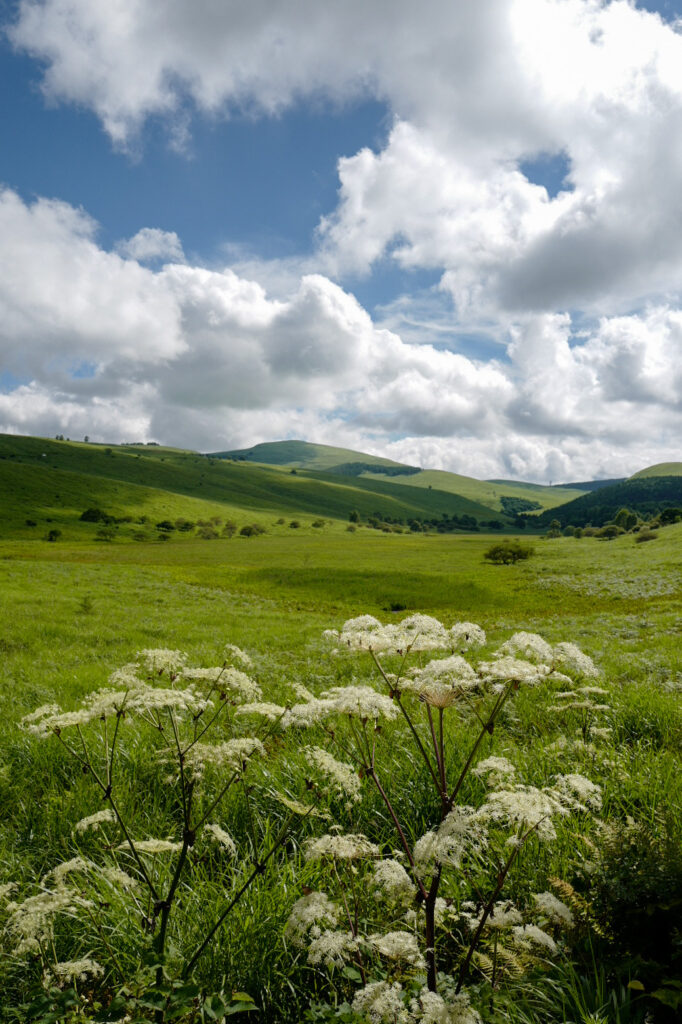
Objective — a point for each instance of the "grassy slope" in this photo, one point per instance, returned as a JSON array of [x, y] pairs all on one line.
[[302, 454], [321, 458], [661, 469], [273, 597], [43, 479], [646, 495], [487, 492]]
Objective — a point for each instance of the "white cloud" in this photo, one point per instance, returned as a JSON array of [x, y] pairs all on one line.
[[476, 89], [269, 348], [152, 244], [207, 358]]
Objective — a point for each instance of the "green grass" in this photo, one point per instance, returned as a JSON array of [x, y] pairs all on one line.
[[660, 469], [72, 612], [57, 480]]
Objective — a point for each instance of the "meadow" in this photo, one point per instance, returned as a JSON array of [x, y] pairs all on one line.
[[74, 612]]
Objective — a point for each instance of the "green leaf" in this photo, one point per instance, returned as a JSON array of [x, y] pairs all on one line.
[[636, 985]]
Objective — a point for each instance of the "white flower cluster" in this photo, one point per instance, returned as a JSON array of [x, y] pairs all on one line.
[[462, 833], [307, 916], [442, 682], [353, 846], [359, 702], [398, 946], [393, 882], [222, 838], [159, 660], [31, 922], [332, 949], [75, 970], [343, 777], [496, 771], [231, 755], [383, 1002], [415, 633], [94, 821]]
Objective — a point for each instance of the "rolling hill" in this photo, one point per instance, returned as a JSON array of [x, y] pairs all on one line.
[[317, 458], [643, 493], [54, 482]]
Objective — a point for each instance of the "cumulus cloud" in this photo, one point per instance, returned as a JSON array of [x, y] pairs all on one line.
[[477, 90], [578, 291], [207, 358], [152, 244]]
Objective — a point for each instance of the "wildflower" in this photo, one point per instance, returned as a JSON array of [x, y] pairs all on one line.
[[553, 909], [464, 635], [442, 911], [231, 755], [352, 846], [527, 934], [94, 821], [442, 681], [461, 833], [392, 880], [529, 646], [31, 922], [126, 677], [433, 1008], [526, 808], [234, 653], [117, 877], [342, 776], [569, 657], [382, 1003], [361, 702], [313, 711], [577, 792], [229, 680], [76, 970], [151, 846], [398, 946], [332, 949], [222, 838], [68, 867], [504, 915], [7, 889], [510, 669], [495, 770], [160, 660], [307, 915], [272, 712]]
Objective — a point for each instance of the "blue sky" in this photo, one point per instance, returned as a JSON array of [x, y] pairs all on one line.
[[450, 239]]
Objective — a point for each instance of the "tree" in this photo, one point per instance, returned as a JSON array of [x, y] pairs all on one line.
[[508, 552]]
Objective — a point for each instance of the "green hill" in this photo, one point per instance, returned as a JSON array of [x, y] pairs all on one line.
[[344, 462], [646, 495], [661, 469], [303, 455], [52, 482]]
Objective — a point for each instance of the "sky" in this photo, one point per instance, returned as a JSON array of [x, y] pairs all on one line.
[[449, 233]]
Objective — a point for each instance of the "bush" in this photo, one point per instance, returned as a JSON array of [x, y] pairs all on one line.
[[53, 535], [166, 525], [508, 551], [294, 525], [93, 515], [251, 530], [644, 535]]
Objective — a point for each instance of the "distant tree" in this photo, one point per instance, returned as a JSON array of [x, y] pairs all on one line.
[[354, 516], [508, 552], [229, 529], [86, 439], [294, 524], [53, 535], [106, 533], [610, 532]]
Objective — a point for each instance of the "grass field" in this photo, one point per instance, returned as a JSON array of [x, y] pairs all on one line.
[[71, 613]]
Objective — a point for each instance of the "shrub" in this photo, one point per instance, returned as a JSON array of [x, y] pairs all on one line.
[[229, 529], [644, 535], [31, 522], [251, 530], [294, 524], [166, 525], [92, 515], [208, 533], [106, 533], [53, 535], [508, 552], [318, 523]]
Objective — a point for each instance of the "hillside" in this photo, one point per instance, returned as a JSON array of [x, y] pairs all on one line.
[[316, 458], [646, 495], [661, 469], [49, 481]]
